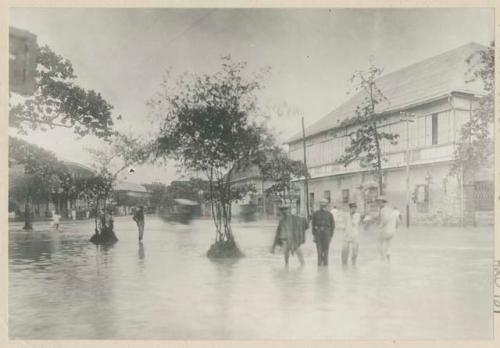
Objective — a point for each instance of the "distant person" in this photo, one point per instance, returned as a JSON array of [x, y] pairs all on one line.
[[139, 220], [323, 225], [350, 244], [290, 234], [387, 228], [56, 220], [73, 214]]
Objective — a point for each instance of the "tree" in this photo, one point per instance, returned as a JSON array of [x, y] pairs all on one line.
[[281, 170], [122, 152], [475, 144], [210, 123], [37, 183], [367, 138], [59, 102]]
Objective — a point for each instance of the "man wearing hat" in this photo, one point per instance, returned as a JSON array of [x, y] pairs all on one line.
[[139, 220], [323, 226], [351, 235], [290, 234], [387, 228]]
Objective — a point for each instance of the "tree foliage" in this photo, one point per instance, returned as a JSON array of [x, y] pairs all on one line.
[[281, 170], [109, 161], [210, 123], [44, 177], [366, 138], [475, 144], [59, 102]]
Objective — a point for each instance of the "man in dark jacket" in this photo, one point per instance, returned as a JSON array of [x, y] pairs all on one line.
[[139, 220], [323, 226], [290, 233]]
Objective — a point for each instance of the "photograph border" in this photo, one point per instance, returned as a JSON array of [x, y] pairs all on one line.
[[5, 5]]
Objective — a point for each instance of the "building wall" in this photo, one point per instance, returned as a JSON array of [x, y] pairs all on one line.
[[430, 158], [325, 149], [266, 206], [442, 203]]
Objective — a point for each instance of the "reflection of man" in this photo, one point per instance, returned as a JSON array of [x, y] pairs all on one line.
[[323, 226], [139, 220], [290, 233], [351, 235], [387, 228]]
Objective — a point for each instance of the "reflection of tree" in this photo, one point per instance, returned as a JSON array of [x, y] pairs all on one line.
[[102, 292], [224, 269], [32, 246]]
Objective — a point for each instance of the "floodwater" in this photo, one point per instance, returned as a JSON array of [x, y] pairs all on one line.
[[438, 286]]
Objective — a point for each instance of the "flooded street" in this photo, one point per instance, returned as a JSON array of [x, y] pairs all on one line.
[[438, 286]]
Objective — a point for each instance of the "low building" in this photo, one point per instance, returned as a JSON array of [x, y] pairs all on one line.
[[264, 206], [437, 92], [128, 195]]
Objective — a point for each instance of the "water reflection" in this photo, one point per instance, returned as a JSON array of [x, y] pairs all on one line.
[[62, 286], [142, 253]]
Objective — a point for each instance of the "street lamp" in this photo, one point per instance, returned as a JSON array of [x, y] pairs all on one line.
[[408, 117]]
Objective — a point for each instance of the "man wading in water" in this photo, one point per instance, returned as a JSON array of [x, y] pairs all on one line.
[[291, 234], [323, 226], [139, 220]]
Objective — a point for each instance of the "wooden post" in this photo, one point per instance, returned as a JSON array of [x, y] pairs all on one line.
[[306, 174]]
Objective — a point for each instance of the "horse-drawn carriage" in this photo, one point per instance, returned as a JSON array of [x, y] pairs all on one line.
[[182, 211]]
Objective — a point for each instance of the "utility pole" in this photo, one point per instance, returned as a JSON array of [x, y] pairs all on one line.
[[408, 118], [306, 174]]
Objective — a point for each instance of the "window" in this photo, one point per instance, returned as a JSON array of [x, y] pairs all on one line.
[[345, 196], [434, 129], [421, 131], [326, 195]]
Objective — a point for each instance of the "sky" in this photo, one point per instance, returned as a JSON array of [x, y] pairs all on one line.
[[311, 53]]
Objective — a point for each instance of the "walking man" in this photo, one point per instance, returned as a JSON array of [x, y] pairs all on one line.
[[338, 217], [56, 220], [350, 244], [291, 234], [139, 220], [323, 226], [387, 228]]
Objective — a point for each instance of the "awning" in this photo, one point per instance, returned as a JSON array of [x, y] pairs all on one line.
[[183, 201]]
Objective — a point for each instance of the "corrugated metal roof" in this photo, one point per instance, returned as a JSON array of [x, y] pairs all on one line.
[[433, 77]]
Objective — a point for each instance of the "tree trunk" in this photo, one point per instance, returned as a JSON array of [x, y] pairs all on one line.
[[27, 217]]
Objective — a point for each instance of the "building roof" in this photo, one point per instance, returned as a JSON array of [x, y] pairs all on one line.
[[77, 167], [129, 186], [424, 81]]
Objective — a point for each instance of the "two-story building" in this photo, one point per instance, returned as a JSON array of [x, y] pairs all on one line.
[[439, 95]]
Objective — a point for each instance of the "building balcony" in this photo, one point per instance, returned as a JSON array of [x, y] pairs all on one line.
[[418, 156]]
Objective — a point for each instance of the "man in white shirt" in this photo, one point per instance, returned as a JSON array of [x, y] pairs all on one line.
[[56, 220], [350, 244], [338, 217], [387, 228]]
